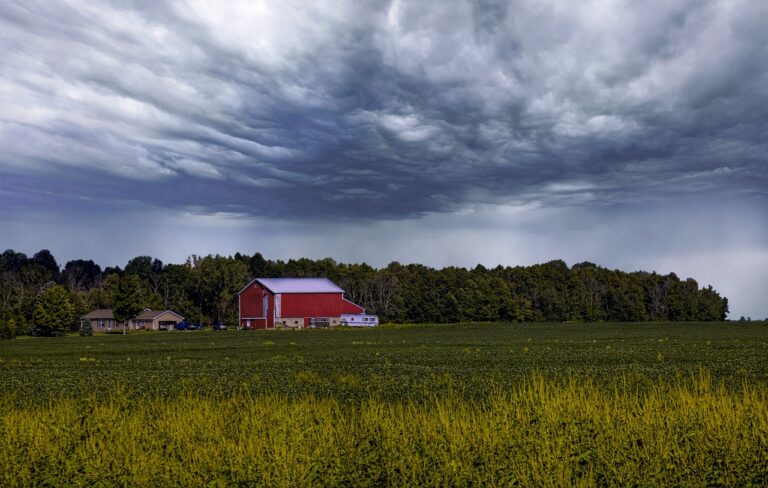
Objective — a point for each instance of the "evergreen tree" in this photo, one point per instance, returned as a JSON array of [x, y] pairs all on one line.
[[86, 329]]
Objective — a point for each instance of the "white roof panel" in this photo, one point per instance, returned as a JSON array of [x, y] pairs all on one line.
[[299, 285]]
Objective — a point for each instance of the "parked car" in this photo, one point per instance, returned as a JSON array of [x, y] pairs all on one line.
[[187, 325], [220, 326], [183, 325]]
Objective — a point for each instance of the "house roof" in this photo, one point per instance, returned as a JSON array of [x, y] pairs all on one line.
[[99, 313], [150, 314], [296, 285]]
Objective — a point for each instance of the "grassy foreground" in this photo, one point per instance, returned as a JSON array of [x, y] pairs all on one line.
[[449, 405], [538, 433]]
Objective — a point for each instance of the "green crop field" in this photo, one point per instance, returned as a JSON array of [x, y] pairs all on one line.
[[393, 363], [649, 404]]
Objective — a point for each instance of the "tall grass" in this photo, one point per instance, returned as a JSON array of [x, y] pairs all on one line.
[[542, 432]]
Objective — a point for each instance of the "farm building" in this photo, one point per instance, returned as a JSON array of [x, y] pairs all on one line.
[[101, 320], [267, 303], [156, 320]]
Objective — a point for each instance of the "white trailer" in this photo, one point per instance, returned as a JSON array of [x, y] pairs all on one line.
[[359, 320]]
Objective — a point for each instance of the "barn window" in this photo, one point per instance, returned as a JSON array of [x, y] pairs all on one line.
[[295, 321]]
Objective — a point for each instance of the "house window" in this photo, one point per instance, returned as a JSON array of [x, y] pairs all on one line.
[[101, 322]]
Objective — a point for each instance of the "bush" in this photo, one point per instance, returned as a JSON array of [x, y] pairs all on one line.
[[8, 328]]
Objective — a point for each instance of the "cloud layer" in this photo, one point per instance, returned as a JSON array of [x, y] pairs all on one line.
[[381, 109], [631, 134]]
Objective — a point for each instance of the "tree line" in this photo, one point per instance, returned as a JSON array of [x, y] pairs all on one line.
[[37, 293]]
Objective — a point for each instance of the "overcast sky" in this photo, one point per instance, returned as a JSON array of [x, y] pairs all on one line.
[[630, 134]]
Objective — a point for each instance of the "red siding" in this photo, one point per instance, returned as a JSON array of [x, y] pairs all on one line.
[[254, 324], [250, 302], [349, 307], [315, 305]]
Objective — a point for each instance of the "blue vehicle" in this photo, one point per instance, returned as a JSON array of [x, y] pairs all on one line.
[[183, 325], [187, 325]]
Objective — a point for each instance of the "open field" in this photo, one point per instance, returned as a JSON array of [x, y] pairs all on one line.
[[483, 404], [389, 362]]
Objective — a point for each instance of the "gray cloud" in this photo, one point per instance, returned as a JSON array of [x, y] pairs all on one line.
[[382, 110], [632, 134]]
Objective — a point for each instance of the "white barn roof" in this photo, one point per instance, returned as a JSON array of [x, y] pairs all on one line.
[[299, 285]]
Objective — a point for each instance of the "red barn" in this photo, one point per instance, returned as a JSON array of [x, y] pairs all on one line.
[[266, 303]]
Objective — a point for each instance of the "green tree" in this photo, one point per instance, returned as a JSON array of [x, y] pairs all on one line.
[[140, 266], [11, 260], [8, 328], [79, 308], [257, 265], [128, 299], [53, 313], [81, 275], [451, 308], [177, 289], [218, 279], [45, 259], [523, 310], [104, 295]]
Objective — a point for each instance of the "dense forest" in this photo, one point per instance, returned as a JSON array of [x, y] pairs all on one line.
[[35, 290]]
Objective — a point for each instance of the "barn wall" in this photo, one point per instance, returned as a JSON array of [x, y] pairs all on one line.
[[291, 322], [313, 305], [349, 307], [250, 302], [255, 323]]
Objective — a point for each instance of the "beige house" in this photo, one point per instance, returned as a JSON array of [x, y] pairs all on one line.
[[102, 320], [156, 320]]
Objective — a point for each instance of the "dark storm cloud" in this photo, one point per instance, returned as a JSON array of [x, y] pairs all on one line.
[[380, 109]]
